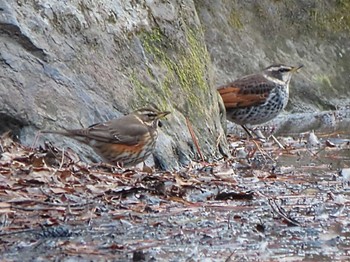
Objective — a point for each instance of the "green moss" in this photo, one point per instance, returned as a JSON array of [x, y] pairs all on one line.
[[340, 17], [260, 11], [323, 80], [147, 95], [327, 87], [143, 92], [112, 18], [185, 66], [84, 8], [234, 20], [332, 18]]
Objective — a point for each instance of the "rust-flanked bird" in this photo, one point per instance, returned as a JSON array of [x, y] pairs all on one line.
[[257, 98], [126, 141]]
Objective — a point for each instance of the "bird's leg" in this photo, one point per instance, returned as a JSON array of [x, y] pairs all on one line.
[[274, 138], [259, 135], [247, 131], [260, 138]]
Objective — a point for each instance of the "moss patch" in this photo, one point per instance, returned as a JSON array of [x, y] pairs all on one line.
[[184, 66], [147, 95], [234, 19], [323, 80], [112, 17], [332, 18]]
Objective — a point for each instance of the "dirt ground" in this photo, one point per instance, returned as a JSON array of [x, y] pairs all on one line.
[[267, 203]]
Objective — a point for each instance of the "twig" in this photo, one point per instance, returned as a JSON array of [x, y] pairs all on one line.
[[262, 151], [315, 155], [17, 232], [30, 209], [36, 138], [61, 164], [218, 141], [259, 149], [62, 159], [194, 139], [278, 209], [230, 256], [19, 202], [277, 142]]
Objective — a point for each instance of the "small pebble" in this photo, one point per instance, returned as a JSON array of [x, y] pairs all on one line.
[[313, 140]]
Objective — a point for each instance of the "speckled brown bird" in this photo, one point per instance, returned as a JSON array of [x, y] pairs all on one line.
[[125, 141], [257, 98]]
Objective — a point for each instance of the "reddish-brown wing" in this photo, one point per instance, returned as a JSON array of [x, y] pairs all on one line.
[[245, 92]]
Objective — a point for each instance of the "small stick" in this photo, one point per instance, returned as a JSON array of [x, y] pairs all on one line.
[[194, 139], [278, 209], [218, 141], [62, 160], [277, 142], [263, 152], [17, 232], [230, 256], [36, 138]]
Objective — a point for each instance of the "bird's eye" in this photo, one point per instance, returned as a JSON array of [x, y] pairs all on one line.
[[283, 70], [151, 115]]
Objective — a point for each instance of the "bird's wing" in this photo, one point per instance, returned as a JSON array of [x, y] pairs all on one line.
[[245, 92], [118, 131]]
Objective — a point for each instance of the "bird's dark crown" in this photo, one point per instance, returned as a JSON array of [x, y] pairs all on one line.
[[279, 68]]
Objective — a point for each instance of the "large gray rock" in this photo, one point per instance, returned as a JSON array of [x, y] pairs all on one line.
[[75, 63], [70, 64]]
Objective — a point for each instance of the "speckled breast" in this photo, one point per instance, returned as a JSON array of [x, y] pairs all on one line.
[[259, 114]]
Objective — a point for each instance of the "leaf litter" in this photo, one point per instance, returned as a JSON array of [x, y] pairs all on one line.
[[266, 203]]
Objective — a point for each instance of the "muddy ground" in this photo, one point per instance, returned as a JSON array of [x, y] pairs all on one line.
[[265, 204]]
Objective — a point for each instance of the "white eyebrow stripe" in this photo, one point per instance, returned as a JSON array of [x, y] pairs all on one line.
[[275, 80]]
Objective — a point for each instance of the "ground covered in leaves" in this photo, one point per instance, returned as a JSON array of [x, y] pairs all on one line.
[[264, 204]]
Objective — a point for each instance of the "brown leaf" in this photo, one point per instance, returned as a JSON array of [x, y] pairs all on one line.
[[97, 189], [181, 182], [58, 190], [5, 208], [38, 160], [42, 175], [64, 174]]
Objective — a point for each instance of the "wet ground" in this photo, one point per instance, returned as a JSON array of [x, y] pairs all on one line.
[[264, 204]]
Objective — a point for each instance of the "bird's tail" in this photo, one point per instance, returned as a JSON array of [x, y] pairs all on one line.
[[59, 132], [77, 134]]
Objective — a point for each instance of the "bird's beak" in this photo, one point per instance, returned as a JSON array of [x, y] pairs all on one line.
[[163, 114], [296, 68]]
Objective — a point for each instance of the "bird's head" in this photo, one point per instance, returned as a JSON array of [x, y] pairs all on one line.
[[282, 73], [150, 116]]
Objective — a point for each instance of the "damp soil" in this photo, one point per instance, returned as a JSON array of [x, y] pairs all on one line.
[[266, 203]]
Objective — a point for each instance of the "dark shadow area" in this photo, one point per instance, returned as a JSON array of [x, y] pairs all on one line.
[[8, 123]]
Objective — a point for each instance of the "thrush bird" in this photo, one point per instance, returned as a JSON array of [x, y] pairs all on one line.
[[257, 98], [125, 141]]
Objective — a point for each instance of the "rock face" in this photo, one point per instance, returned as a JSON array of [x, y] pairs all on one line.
[[70, 64], [244, 37]]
